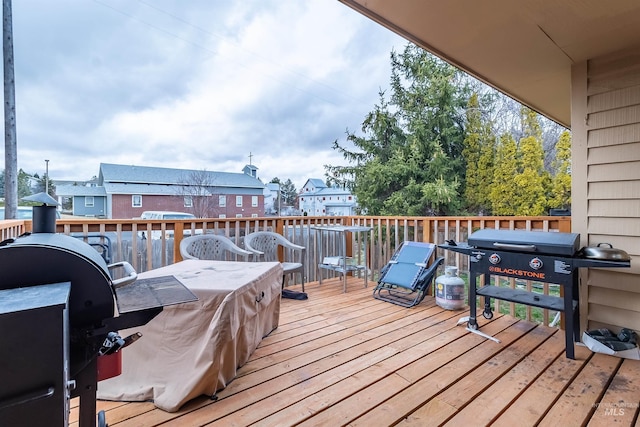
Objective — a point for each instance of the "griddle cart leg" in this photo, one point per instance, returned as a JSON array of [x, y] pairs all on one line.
[[472, 323], [571, 317]]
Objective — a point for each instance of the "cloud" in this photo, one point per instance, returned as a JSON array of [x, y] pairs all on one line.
[[198, 84]]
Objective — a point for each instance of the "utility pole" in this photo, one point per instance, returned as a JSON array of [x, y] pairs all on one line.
[[46, 178], [10, 140]]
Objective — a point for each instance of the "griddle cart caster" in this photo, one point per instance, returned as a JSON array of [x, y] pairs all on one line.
[[487, 313], [102, 420], [472, 324]]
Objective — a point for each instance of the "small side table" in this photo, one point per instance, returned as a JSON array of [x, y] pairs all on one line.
[[340, 263]]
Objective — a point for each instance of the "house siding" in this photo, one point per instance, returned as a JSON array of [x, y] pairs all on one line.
[[122, 206], [97, 210], [606, 183]]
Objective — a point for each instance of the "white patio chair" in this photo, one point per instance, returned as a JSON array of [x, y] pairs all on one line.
[[211, 247], [264, 245]]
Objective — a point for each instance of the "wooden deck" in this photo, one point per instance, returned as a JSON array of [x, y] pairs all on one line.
[[348, 359]]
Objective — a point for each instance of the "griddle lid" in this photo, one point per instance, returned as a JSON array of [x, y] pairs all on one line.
[[553, 243], [604, 251]]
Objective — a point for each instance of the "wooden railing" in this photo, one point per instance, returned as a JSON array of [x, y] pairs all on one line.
[[12, 228], [149, 244]]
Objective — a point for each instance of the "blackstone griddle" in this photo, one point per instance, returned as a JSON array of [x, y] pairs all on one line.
[[546, 257], [60, 310]]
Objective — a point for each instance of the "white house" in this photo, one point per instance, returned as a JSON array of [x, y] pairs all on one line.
[[271, 191], [316, 199]]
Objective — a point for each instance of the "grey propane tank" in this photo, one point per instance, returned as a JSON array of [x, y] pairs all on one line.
[[450, 290]]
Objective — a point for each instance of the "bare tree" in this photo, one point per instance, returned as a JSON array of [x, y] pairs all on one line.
[[198, 189]]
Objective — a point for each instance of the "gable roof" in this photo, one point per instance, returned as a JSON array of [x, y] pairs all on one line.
[[147, 175], [523, 48], [315, 182], [79, 190]]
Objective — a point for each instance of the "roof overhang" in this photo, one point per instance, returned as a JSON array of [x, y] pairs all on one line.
[[522, 48]]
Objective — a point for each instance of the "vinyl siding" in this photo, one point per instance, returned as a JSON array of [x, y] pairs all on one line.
[[606, 155]]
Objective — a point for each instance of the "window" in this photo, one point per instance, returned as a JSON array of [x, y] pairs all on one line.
[[188, 202], [222, 216], [136, 201], [239, 215], [88, 202], [239, 202], [222, 201], [254, 215], [254, 201]]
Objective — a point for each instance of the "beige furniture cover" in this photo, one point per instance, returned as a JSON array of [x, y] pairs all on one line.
[[194, 348]]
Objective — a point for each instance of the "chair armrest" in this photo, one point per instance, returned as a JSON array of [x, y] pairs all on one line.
[[429, 272], [290, 245]]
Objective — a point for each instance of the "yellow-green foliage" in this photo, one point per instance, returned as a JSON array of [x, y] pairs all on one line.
[[561, 184], [520, 182], [531, 195], [503, 190]]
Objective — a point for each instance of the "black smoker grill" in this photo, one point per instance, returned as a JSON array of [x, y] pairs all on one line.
[[548, 257], [57, 316]]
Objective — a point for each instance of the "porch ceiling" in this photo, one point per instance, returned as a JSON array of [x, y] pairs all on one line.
[[524, 49]]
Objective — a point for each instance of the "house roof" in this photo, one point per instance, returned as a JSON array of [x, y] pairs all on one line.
[[145, 177], [334, 191], [316, 182], [523, 48], [79, 190]]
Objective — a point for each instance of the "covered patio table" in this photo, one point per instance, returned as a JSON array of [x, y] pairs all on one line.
[[195, 348]]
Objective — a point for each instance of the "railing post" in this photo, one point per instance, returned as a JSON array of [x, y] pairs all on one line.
[[427, 232], [564, 225], [178, 235], [280, 231]]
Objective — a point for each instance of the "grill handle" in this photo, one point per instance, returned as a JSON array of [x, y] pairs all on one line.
[[128, 269], [515, 247]]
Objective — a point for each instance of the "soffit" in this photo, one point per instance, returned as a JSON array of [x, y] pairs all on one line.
[[522, 48]]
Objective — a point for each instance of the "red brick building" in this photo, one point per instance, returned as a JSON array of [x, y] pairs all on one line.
[[131, 190]]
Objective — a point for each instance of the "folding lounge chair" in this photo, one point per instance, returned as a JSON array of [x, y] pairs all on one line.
[[405, 280]]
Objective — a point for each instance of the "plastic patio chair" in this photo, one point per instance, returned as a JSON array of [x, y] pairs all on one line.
[[265, 244], [406, 278], [211, 247]]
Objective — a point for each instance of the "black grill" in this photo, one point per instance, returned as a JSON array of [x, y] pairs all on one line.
[[58, 315], [548, 257]]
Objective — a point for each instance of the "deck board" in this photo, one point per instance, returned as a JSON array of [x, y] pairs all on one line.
[[348, 359]]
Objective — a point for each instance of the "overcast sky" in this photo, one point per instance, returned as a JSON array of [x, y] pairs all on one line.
[[197, 84]]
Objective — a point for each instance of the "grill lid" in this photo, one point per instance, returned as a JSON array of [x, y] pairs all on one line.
[[551, 243]]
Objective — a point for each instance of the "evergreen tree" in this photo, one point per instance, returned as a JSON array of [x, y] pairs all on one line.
[[41, 185], [24, 186], [478, 154], [561, 184], [410, 160], [503, 191], [486, 165], [531, 181], [289, 193]]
